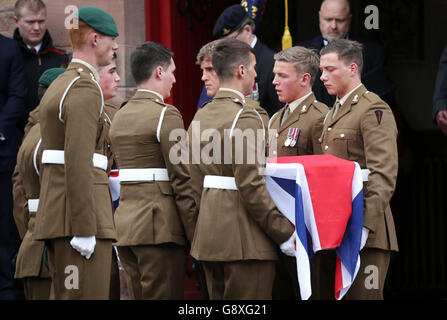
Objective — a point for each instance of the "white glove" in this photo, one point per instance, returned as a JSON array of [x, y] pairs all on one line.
[[288, 247], [84, 245], [365, 233]]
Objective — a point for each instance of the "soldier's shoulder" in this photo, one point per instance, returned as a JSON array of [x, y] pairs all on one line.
[[204, 105], [372, 101], [320, 107], [371, 97], [228, 100], [252, 103], [78, 77], [110, 109]]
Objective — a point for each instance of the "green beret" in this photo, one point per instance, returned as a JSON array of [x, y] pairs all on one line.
[[49, 75], [99, 20]]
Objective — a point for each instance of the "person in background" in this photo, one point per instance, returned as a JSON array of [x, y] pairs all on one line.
[[108, 81], [440, 94], [335, 21], [39, 53], [12, 110], [32, 259], [234, 22]]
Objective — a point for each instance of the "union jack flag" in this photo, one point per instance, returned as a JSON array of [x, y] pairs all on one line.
[[322, 196]]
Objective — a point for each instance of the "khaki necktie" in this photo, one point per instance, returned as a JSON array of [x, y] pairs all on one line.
[[286, 115], [337, 106]]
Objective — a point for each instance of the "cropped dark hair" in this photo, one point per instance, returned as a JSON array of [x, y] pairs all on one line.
[[347, 51], [227, 55], [146, 57]]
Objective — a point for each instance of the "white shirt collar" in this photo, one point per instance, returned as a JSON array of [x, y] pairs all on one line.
[[343, 100], [234, 91], [253, 43], [37, 48], [89, 66], [153, 92], [293, 105]]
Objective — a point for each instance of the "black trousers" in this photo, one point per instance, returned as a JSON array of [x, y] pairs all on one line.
[[10, 289]]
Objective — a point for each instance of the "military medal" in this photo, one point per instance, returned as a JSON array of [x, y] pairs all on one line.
[[289, 138], [295, 137]]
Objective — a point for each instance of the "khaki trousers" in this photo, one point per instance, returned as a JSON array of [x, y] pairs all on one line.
[[37, 288], [76, 278], [368, 284], [239, 280], [154, 271]]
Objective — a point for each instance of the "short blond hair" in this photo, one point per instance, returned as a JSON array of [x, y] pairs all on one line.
[[206, 52], [303, 59], [34, 6]]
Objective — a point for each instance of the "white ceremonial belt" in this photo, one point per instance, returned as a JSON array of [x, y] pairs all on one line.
[[219, 182], [33, 204], [365, 174], [144, 174], [57, 157]]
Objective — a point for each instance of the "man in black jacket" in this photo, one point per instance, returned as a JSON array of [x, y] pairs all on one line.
[[12, 110], [440, 94], [36, 44], [234, 22], [335, 20]]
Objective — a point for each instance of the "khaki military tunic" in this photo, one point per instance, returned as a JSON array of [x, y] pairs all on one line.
[[151, 212], [237, 228], [26, 187], [75, 198], [233, 225], [109, 112], [308, 116], [155, 219], [364, 130]]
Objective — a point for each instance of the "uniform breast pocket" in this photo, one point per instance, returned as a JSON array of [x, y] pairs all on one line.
[[341, 142]]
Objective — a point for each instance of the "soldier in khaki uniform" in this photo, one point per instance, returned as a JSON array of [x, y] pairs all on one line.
[[238, 223], [156, 215], [75, 211], [297, 129], [109, 80], [361, 127], [32, 264], [211, 80], [211, 83]]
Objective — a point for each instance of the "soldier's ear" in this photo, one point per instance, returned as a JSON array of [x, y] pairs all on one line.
[[240, 71], [305, 79], [158, 72], [92, 39], [353, 68]]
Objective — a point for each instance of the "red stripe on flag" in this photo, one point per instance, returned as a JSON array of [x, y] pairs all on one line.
[[338, 278]]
